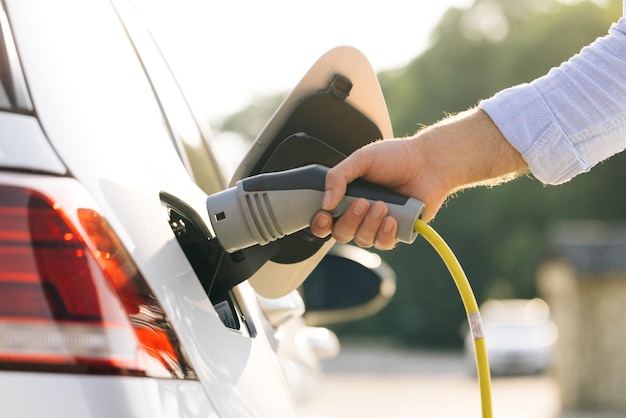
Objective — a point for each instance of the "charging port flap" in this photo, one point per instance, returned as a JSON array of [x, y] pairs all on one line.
[[336, 108]]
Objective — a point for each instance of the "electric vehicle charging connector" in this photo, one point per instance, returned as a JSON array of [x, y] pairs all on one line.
[[266, 207]]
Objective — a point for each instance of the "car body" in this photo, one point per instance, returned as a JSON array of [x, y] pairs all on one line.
[[519, 334], [115, 297]]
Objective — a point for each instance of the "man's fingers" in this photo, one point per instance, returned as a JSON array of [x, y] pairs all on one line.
[[386, 236], [322, 224], [346, 226], [366, 234]]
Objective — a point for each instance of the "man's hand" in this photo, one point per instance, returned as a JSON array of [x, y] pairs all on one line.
[[459, 152]]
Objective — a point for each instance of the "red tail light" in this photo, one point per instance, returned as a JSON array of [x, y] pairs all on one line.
[[71, 299]]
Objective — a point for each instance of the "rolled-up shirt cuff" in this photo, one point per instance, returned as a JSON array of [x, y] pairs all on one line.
[[526, 121]]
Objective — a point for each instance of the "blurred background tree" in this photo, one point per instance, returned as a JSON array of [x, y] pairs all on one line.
[[497, 234]]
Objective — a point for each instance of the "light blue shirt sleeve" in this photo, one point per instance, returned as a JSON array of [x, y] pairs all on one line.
[[572, 118]]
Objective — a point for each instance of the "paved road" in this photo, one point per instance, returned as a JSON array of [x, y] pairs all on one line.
[[379, 382]]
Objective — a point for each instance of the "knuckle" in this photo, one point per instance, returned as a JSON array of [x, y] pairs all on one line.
[[363, 243], [342, 239]]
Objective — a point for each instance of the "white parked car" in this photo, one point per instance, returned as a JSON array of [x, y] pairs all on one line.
[[116, 299], [519, 334]]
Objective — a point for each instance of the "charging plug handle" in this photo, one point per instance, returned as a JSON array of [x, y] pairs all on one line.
[[266, 207]]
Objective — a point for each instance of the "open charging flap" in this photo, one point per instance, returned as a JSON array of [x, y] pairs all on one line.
[[337, 107]]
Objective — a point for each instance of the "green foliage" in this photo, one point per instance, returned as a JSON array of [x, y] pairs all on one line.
[[462, 66]]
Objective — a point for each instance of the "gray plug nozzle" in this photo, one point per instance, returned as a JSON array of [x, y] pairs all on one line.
[[266, 207]]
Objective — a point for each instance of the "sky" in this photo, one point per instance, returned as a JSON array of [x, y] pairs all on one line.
[[228, 53]]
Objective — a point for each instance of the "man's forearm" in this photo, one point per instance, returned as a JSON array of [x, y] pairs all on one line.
[[476, 151]]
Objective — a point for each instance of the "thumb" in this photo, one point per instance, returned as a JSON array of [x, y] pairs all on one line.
[[337, 180], [334, 190]]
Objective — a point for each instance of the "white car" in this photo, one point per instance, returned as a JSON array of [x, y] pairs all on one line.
[[116, 299], [519, 334]]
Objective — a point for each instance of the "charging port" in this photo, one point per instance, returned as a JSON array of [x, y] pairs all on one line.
[[205, 256]]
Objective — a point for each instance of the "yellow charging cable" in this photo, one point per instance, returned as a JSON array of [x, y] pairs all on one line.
[[471, 307]]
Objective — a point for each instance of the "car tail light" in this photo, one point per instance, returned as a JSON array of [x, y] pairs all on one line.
[[71, 298]]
